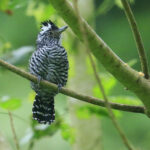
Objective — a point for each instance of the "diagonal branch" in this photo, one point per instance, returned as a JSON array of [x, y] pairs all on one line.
[[98, 79], [104, 54], [108, 106], [137, 37], [65, 91]]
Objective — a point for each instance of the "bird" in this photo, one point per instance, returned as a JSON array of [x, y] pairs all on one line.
[[48, 62]]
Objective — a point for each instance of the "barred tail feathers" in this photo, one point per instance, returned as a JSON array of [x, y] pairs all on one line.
[[43, 109]]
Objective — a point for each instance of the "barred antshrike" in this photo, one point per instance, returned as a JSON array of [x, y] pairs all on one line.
[[48, 62]]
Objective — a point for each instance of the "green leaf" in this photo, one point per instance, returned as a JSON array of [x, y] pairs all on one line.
[[108, 83], [41, 11], [83, 112], [10, 103], [68, 133], [12, 4], [4, 46], [4, 4]]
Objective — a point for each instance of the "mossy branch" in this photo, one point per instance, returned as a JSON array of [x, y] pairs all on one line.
[[65, 91], [104, 54]]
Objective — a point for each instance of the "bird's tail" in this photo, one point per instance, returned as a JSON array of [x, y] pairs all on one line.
[[43, 109]]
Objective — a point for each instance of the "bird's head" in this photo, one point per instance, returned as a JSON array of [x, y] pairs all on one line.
[[50, 29]]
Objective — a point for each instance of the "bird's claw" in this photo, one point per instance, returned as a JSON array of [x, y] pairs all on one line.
[[39, 80], [59, 88]]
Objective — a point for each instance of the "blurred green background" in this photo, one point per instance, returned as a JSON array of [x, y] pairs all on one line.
[[19, 26]]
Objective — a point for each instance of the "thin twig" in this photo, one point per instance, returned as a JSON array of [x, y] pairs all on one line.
[[14, 115], [108, 106], [13, 131], [124, 138], [137, 37], [65, 91]]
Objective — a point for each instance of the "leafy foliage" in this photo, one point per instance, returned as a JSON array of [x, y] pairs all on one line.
[[8, 6], [9, 103], [85, 112], [40, 10], [38, 131], [4, 46], [4, 4], [68, 133], [109, 83]]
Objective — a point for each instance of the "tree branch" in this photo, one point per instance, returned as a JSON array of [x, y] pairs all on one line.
[[121, 71], [65, 91], [98, 79], [137, 37], [108, 106]]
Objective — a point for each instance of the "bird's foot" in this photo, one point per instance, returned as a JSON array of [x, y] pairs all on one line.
[[59, 87], [39, 80]]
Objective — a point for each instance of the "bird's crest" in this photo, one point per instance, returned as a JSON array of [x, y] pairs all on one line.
[[48, 25]]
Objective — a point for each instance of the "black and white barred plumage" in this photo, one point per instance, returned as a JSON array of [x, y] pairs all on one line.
[[48, 62]]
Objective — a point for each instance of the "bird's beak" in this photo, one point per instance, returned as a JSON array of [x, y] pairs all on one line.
[[62, 29]]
